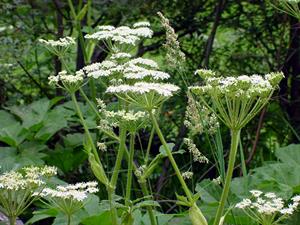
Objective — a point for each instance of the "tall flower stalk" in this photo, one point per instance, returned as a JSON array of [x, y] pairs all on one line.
[[235, 101]]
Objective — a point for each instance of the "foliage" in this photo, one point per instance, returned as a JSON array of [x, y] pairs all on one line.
[[136, 159]]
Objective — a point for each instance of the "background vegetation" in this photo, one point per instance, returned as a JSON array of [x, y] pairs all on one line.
[[38, 124]]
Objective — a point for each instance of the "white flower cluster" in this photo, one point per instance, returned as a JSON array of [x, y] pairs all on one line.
[[290, 1], [27, 178], [62, 42], [131, 120], [238, 87], [75, 192], [197, 155], [102, 146], [122, 115], [123, 34], [63, 76], [187, 175], [267, 205], [165, 90], [138, 68]]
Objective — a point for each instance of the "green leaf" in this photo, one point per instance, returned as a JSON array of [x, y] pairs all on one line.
[[209, 191], [42, 214], [76, 218], [163, 151], [6, 119], [73, 140], [289, 154], [32, 115], [53, 122], [102, 219], [82, 13], [13, 135]]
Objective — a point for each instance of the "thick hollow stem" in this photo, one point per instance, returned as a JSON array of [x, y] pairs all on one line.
[[149, 208], [202, 219], [69, 219], [235, 136], [130, 169], [120, 154], [113, 210], [116, 171], [12, 220]]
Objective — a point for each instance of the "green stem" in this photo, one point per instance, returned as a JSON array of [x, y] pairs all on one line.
[[200, 217], [116, 171], [91, 105], [12, 220], [68, 219], [171, 158], [235, 137], [130, 169], [113, 210], [149, 208], [149, 145], [86, 129], [120, 154]]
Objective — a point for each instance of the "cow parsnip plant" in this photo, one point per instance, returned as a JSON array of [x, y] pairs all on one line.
[[235, 101], [140, 88]]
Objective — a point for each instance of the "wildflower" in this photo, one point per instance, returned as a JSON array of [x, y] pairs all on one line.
[[60, 46], [70, 198], [256, 193], [120, 55], [130, 120], [236, 99], [141, 24], [243, 204], [187, 175], [165, 90], [74, 192], [267, 208], [197, 155], [69, 82], [122, 35], [62, 42], [102, 146], [217, 180], [17, 188]]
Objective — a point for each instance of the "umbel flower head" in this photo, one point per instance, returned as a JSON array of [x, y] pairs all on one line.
[[267, 208], [114, 37], [143, 94], [67, 81], [69, 198], [236, 99], [17, 188], [60, 46], [130, 120], [288, 6], [121, 66]]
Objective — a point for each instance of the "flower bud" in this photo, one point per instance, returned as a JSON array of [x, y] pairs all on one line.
[[98, 170], [196, 216]]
